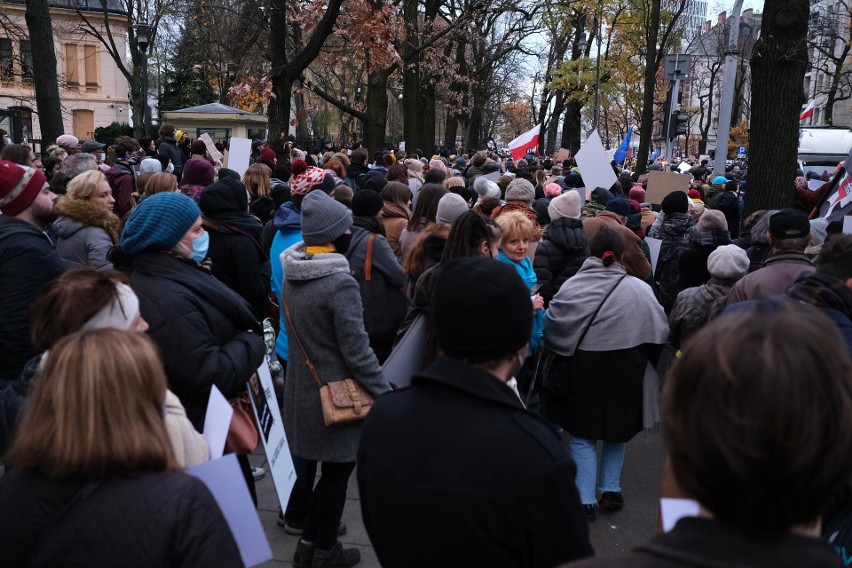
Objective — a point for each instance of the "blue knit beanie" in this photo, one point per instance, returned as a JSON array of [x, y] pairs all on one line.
[[159, 222]]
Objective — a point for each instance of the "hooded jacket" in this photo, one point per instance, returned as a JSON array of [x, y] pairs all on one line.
[[87, 233], [559, 255], [288, 225], [122, 180]]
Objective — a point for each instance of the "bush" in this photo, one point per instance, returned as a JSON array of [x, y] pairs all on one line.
[[108, 134]]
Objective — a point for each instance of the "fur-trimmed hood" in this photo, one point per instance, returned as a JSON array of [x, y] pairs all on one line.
[[76, 214]]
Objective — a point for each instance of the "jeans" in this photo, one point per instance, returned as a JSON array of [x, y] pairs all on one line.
[[326, 504], [585, 454]]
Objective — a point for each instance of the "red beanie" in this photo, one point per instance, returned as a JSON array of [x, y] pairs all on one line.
[[19, 187], [267, 155]]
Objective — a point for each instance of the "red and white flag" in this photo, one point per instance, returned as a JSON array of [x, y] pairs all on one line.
[[526, 141], [808, 112]]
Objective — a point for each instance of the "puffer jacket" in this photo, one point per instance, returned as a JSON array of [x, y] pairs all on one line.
[[163, 518], [673, 234], [205, 331], [86, 233], [694, 307], [559, 255]]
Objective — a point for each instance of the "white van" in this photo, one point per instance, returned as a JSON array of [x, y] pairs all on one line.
[[821, 148]]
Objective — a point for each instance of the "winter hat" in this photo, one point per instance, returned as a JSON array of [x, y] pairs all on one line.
[[675, 202], [789, 224], [637, 193], [305, 178], [415, 167], [565, 205], [552, 190], [694, 195], [520, 190], [728, 262], [451, 206], [267, 155], [68, 142], [375, 183], [225, 173], [601, 195], [198, 147], [467, 325], [712, 220], [90, 146], [150, 166], [731, 185], [486, 188], [818, 230], [19, 187], [159, 222], [366, 203], [619, 206], [323, 219], [720, 180], [119, 314], [197, 171], [328, 183], [256, 143]]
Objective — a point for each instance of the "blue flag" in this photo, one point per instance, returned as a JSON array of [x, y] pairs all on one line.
[[621, 153], [654, 156]]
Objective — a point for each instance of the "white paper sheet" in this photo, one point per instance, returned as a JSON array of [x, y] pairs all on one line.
[[217, 421], [226, 482], [674, 510], [654, 245], [815, 184], [407, 357], [847, 225], [595, 168], [239, 154]]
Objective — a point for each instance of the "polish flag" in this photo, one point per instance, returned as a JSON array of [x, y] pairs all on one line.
[[808, 112], [526, 141]]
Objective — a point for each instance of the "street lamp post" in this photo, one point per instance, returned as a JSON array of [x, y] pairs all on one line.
[[598, 69], [143, 41]]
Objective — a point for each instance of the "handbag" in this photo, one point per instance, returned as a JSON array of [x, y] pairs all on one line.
[[242, 433], [343, 401], [556, 368]]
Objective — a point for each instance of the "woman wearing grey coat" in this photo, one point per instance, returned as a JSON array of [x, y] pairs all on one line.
[[324, 302]]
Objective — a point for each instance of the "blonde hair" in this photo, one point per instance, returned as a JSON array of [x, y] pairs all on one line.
[[515, 225], [56, 151], [84, 185], [160, 182], [256, 180], [453, 181], [97, 408]]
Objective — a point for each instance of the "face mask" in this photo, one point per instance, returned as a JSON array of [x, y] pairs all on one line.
[[199, 248], [341, 243]]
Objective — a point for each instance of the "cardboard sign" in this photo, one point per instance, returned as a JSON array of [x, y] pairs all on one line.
[[239, 155], [211, 147], [660, 184], [562, 155], [595, 168], [262, 394]]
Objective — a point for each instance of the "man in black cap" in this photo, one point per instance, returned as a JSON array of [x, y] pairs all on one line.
[[454, 471], [789, 235]]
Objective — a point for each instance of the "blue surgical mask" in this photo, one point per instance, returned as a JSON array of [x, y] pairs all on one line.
[[199, 248]]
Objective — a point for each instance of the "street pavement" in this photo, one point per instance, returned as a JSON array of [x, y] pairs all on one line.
[[611, 533]]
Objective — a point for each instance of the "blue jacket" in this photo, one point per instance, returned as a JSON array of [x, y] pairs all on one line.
[[288, 221], [527, 274]]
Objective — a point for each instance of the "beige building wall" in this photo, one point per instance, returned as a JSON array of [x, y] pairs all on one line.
[[92, 90]]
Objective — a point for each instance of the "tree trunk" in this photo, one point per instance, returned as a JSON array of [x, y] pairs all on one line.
[[45, 80], [376, 111], [571, 128], [302, 132], [646, 124], [452, 132], [558, 110], [137, 102], [282, 86], [427, 135], [412, 101], [778, 64]]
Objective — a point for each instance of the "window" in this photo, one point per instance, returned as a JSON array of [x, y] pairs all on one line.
[[26, 61], [72, 65], [5, 58], [216, 134], [91, 58]]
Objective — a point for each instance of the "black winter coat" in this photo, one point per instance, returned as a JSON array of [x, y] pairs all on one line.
[[205, 331], [28, 261], [457, 450], [729, 204], [162, 518], [560, 255]]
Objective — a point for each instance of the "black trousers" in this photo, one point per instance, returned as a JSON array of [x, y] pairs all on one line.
[[325, 508]]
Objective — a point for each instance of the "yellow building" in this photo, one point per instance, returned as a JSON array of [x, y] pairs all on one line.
[[92, 90]]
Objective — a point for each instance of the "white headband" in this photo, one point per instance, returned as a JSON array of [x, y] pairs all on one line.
[[117, 315]]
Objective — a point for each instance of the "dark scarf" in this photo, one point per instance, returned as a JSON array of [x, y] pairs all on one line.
[[824, 291], [369, 224], [711, 237]]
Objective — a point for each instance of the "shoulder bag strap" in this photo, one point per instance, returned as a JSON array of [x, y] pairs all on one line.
[[594, 315], [368, 262], [308, 363]]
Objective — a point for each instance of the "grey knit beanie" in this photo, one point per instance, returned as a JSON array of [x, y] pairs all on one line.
[[486, 188], [323, 219], [451, 206], [520, 190], [565, 205], [728, 262]]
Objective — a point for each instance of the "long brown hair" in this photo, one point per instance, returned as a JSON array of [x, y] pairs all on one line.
[[256, 180], [97, 408]]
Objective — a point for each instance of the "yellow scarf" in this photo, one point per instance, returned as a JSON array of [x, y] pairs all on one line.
[[320, 249]]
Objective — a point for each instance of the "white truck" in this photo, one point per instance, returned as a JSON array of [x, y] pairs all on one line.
[[821, 148]]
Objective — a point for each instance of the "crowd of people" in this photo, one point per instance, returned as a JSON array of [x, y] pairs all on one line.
[[136, 278]]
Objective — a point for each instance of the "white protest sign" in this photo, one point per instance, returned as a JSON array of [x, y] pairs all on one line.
[[595, 168], [225, 481], [217, 421], [211, 147], [847, 225], [815, 184], [408, 357], [654, 245], [239, 155], [674, 510], [271, 427]]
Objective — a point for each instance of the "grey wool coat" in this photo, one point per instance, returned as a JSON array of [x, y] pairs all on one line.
[[325, 304]]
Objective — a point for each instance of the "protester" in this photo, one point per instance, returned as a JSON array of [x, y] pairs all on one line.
[[428, 247], [93, 445], [598, 355], [709, 233], [197, 174], [324, 310], [423, 215], [503, 487], [121, 176], [28, 259], [87, 228], [167, 149], [20, 154], [415, 178], [674, 233], [564, 246], [615, 218], [69, 143], [519, 197], [396, 213], [763, 470]]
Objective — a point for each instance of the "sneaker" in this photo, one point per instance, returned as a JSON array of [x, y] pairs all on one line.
[[590, 513], [337, 557], [304, 556], [611, 500], [258, 473]]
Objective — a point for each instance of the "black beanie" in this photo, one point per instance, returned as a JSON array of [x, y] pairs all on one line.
[[675, 202], [481, 310], [366, 203]]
